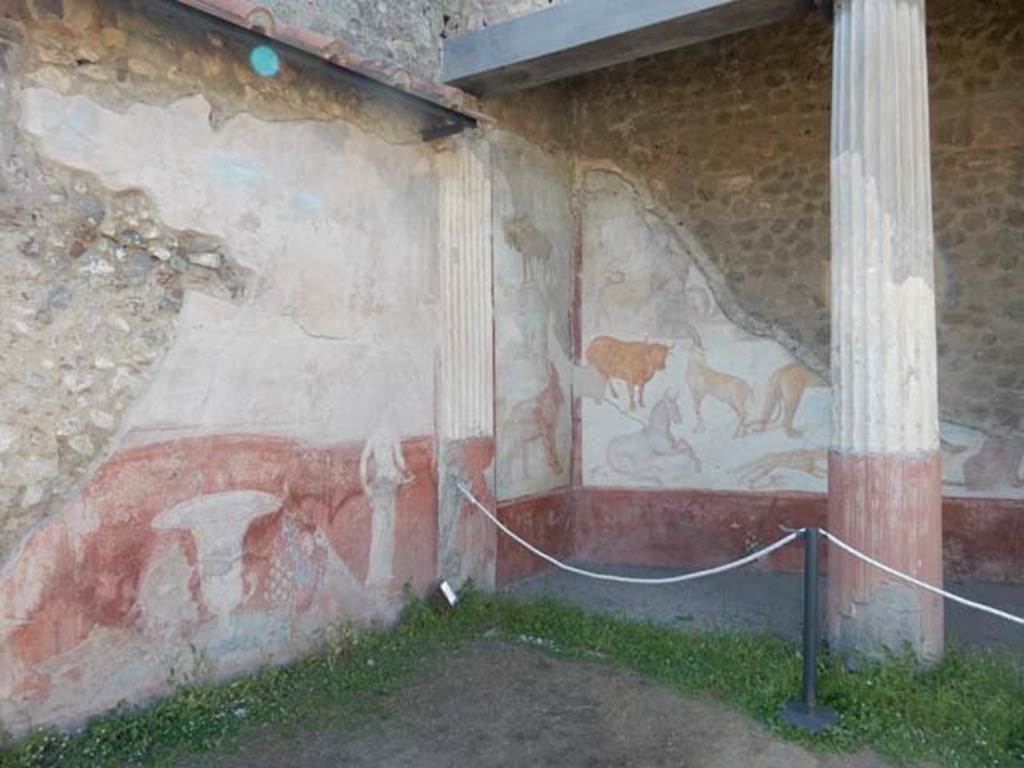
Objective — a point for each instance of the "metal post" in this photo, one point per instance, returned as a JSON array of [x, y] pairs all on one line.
[[806, 713]]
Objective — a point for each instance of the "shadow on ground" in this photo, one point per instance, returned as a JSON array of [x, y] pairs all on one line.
[[754, 601]]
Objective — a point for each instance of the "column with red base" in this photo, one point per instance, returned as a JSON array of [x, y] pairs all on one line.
[[467, 542], [885, 491]]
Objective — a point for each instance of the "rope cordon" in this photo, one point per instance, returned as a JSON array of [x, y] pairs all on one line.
[[627, 579], [752, 557], [918, 583]]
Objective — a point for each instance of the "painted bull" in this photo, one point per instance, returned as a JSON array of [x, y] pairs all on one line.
[[635, 362]]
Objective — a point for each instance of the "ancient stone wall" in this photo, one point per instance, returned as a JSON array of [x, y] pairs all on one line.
[[406, 32], [468, 15], [678, 394], [218, 318], [732, 138]]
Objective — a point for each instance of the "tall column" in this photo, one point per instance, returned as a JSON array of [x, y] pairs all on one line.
[[467, 542], [885, 490]]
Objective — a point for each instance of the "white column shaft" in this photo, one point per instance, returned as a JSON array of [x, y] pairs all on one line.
[[466, 366], [883, 298]]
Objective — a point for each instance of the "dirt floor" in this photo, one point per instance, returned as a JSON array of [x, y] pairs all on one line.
[[497, 704]]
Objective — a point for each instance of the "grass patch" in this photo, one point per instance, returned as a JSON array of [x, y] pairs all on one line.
[[967, 711]]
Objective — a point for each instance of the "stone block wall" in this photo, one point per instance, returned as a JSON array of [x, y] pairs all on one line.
[[732, 137], [406, 32], [469, 15]]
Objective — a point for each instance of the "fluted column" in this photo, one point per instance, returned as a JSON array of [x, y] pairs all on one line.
[[885, 492], [465, 399]]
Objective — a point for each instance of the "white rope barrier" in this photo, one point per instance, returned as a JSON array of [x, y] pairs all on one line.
[[752, 557], [918, 583], [628, 579]]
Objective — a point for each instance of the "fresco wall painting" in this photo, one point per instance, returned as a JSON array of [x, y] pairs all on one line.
[[277, 474], [678, 395], [533, 250]]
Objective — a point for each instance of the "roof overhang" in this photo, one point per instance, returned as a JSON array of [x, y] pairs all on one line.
[[446, 109], [578, 36]]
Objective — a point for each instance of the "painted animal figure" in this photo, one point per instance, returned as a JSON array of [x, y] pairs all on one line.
[[996, 465], [757, 475], [634, 362], [635, 454], [537, 419], [533, 246], [704, 381], [785, 391]]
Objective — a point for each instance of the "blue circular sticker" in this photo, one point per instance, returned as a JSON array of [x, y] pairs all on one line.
[[265, 61]]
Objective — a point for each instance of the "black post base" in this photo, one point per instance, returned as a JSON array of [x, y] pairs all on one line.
[[814, 720]]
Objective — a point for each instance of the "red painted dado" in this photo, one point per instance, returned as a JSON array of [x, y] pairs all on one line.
[[687, 527], [545, 520], [101, 586], [982, 538], [890, 507], [472, 460], [104, 598]]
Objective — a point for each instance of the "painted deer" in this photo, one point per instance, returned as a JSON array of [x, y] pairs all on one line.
[[705, 381], [635, 454], [537, 419], [634, 362]]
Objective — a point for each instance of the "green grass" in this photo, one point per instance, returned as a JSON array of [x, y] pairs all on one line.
[[967, 711]]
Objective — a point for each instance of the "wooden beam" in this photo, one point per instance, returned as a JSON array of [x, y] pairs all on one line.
[[579, 36]]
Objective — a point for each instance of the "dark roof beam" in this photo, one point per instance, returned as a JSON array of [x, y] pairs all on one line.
[[579, 36]]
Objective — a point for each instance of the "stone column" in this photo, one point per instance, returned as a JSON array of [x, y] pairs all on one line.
[[885, 490], [467, 541]]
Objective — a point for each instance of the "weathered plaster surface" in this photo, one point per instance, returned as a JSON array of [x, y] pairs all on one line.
[[121, 54], [885, 469], [237, 310], [533, 265], [546, 520], [883, 298], [407, 32], [220, 299], [465, 422], [93, 281], [764, 419], [467, 541], [732, 138], [466, 364], [199, 558], [352, 326], [982, 538], [713, 414]]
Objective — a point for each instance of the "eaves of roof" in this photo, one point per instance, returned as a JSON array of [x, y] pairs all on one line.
[[449, 109]]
